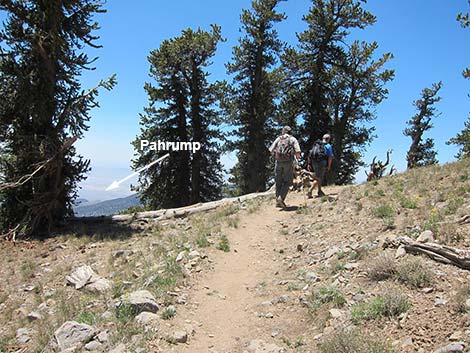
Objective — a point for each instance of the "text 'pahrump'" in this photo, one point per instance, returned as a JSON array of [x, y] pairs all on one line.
[[169, 146]]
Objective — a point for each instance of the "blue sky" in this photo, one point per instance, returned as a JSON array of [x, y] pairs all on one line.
[[428, 44]]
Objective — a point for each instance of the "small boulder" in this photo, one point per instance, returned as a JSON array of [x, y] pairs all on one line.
[[180, 256], [336, 313], [194, 254], [99, 286], [81, 276], [34, 315], [72, 333], [142, 300], [401, 251], [146, 318], [93, 346], [457, 347], [456, 336], [426, 237], [23, 335], [180, 337], [331, 251], [103, 336], [123, 253], [311, 277]]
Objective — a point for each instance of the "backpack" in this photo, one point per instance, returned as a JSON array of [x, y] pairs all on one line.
[[318, 153], [285, 149]]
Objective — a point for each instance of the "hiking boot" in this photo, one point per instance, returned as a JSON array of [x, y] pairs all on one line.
[[279, 202], [309, 195], [321, 194]]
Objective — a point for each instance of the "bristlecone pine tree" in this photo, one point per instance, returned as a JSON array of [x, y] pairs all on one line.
[[43, 109], [333, 86], [182, 109], [463, 138], [421, 152], [254, 91]]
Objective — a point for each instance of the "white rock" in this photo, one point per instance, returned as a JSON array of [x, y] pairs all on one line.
[[81, 276], [401, 251], [456, 336], [180, 337], [34, 315], [146, 318], [456, 347], [426, 237], [93, 346], [142, 300], [100, 285], [336, 313], [180, 256], [194, 254], [331, 251], [103, 337], [311, 277], [72, 333], [23, 335]]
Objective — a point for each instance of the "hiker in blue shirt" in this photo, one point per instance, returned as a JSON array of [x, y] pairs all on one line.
[[320, 159]]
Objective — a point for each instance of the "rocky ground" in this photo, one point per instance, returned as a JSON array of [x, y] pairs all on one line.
[[318, 277]]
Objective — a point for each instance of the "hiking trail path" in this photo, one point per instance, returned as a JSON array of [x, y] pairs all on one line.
[[245, 296]]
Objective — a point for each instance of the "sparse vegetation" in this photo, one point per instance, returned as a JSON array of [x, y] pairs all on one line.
[[414, 272], [326, 295], [462, 299], [168, 313], [224, 244], [352, 341], [384, 211], [389, 304], [202, 241], [382, 267]]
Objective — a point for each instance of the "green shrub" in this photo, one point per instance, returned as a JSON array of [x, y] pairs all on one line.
[[125, 313], [409, 203], [390, 304], [453, 205], [352, 341], [168, 313], [326, 295], [202, 240], [384, 211], [413, 272], [224, 244]]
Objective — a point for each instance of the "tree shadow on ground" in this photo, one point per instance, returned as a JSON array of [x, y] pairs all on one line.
[[98, 229]]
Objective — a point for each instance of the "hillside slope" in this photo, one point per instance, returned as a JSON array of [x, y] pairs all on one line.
[[108, 207], [253, 278]]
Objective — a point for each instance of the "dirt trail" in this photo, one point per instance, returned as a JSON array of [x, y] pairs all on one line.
[[227, 306]]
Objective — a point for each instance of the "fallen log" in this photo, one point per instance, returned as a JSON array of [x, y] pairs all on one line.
[[173, 212], [437, 252]]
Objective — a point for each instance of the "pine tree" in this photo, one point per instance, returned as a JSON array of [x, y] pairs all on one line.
[[254, 92], [421, 152], [356, 87], [43, 109], [181, 109], [337, 83], [463, 140]]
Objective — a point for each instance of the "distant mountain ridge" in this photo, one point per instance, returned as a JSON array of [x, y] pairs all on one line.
[[108, 207]]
